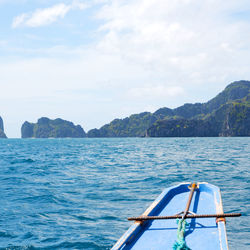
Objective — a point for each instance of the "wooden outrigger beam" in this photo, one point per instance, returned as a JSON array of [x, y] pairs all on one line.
[[178, 216]]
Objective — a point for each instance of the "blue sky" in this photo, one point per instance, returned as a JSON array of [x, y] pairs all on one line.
[[92, 61]]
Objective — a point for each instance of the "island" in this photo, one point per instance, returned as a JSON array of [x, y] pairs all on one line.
[[227, 114], [47, 128], [2, 134]]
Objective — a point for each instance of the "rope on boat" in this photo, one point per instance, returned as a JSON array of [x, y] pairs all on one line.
[[180, 244]]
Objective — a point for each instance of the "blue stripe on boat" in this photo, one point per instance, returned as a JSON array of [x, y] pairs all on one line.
[[202, 233]]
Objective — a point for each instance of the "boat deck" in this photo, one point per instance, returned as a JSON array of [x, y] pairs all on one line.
[[201, 233]]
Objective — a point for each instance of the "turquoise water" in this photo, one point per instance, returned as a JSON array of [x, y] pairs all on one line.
[[77, 193]]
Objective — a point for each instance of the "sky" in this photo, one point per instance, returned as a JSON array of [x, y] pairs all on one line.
[[90, 62]]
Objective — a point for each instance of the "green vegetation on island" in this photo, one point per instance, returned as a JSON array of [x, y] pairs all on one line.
[[227, 114], [47, 128], [2, 134]]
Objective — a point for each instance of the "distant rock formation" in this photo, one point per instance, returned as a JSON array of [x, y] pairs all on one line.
[[2, 134], [227, 114], [47, 128], [1, 124], [231, 119]]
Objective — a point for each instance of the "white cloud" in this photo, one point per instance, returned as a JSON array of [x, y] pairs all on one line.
[[52, 76], [77, 4], [191, 41], [154, 92], [41, 17], [19, 20], [46, 16]]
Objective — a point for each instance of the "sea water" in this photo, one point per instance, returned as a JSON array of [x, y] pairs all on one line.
[[77, 193]]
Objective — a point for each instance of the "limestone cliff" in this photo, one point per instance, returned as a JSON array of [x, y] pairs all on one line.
[[47, 128], [2, 134]]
